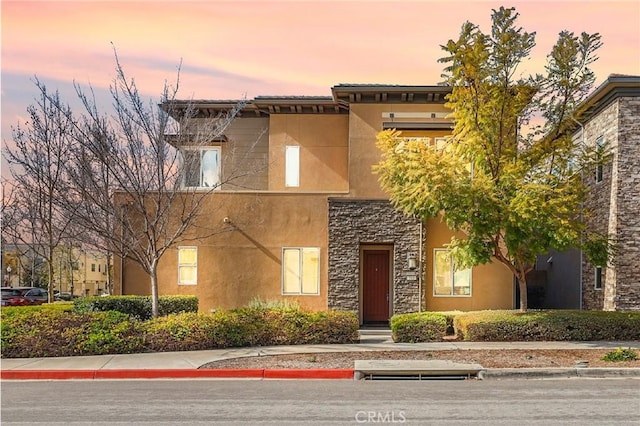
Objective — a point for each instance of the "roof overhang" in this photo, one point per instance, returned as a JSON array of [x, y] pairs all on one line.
[[380, 93], [615, 86]]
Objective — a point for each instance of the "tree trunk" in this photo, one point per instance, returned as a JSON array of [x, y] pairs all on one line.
[[522, 286], [154, 291]]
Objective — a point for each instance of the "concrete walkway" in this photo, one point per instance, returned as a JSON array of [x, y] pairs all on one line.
[[185, 364]]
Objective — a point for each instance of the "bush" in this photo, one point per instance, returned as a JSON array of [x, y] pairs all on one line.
[[248, 327], [620, 355], [137, 306], [548, 325], [178, 332], [419, 327], [56, 332], [39, 331]]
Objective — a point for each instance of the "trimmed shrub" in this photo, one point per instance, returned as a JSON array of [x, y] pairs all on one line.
[[138, 307], [332, 327], [178, 332], [248, 327], [55, 332], [419, 327], [548, 325], [40, 332]]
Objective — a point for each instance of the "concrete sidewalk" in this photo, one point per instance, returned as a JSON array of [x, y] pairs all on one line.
[[185, 364]]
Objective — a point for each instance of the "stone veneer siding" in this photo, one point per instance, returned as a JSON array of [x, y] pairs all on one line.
[[353, 223], [615, 206]]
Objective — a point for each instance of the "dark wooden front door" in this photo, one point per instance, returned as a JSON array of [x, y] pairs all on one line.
[[375, 286]]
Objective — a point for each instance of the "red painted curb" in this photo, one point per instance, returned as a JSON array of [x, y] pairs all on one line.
[[178, 374], [46, 374], [239, 373]]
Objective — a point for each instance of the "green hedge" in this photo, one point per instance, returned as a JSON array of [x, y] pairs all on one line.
[[56, 332], [137, 306], [547, 325], [42, 332], [249, 327], [418, 327]]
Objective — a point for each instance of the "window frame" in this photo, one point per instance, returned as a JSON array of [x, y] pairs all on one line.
[[452, 273], [300, 275], [292, 166], [200, 150], [597, 277], [188, 265]]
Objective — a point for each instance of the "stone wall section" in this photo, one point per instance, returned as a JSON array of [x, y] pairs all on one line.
[[627, 224], [615, 206], [598, 203], [353, 223]]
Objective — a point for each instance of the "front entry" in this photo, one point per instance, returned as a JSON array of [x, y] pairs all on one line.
[[375, 286]]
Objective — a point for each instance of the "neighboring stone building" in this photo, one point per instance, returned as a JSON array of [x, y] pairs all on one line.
[[610, 119]]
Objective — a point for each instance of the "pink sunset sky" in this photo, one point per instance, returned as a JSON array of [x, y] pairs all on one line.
[[230, 49]]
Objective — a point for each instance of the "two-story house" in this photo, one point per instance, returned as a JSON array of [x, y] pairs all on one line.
[[304, 217], [306, 220]]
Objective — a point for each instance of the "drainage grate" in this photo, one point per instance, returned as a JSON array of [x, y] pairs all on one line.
[[416, 377]]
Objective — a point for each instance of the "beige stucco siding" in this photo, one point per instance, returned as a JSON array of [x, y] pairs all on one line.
[[244, 260], [323, 143], [245, 155], [492, 284], [365, 121]]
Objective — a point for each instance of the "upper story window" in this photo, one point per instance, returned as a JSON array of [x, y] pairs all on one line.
[[599, 159], [292, 166], [201, 167]]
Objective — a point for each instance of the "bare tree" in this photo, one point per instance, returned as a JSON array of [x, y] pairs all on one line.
[[129, 176], [38, 158], [117, 181]]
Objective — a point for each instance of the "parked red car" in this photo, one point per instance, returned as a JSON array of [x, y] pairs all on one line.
[[22, 296]]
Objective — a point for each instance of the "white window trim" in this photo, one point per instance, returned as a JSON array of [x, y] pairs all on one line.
[[300, 266], [200, 149], [595, 278], [195, 265], [452, 277], [292, 166]]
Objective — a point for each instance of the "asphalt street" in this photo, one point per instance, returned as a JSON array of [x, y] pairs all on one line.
[[330, 402]]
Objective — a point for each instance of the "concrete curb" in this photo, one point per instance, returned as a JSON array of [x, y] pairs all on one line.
[[556, 373]]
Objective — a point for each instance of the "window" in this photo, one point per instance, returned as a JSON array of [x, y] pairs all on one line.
[[201, 167], [301, 270], [446, 280], [292, 166], [597, 284], [187, 265], [93, 267], [440, 143], [599, 158], [99, 268]]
